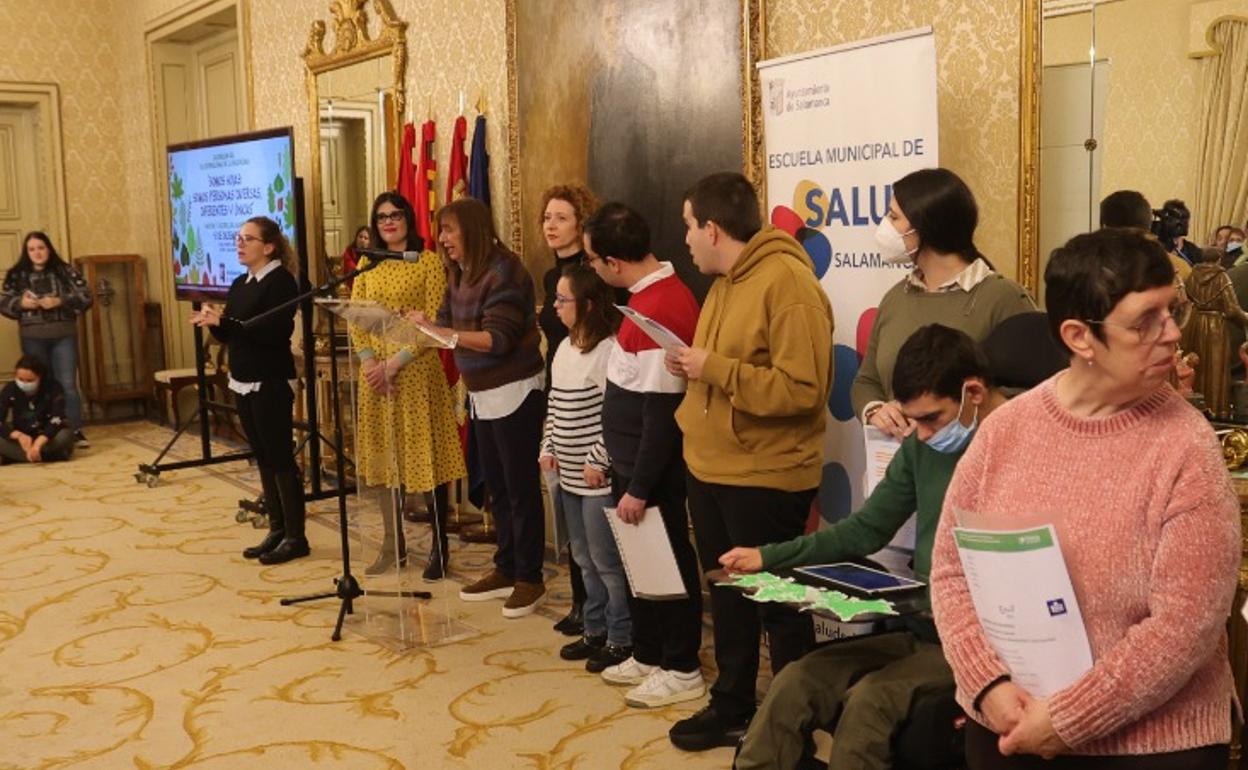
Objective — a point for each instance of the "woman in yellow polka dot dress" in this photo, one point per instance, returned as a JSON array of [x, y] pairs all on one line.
[[407, 436]]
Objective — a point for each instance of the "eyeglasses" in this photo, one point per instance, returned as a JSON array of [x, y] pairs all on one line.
[[562, 300], [242, 240], [1151, 328], [392, 216], [589, 260]]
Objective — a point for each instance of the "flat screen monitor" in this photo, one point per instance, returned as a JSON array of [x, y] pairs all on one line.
[[215, 185]]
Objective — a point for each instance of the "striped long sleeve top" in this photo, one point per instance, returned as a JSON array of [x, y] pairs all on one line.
[[573, 434]]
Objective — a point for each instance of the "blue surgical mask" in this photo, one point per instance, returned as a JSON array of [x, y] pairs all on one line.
[[29, 388], [955, 436]]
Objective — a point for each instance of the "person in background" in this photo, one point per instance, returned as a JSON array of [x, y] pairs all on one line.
[[572, 447], [1220, 236], [45, 296], [34, 426], [408, 437], [1234, 248], [759, 373], [931, 224], [1128, 208], [1132, 479], [262, 369], [943, 384], [490, 304], [641, 436], [564, 211], [350, 259], [1170, 225]]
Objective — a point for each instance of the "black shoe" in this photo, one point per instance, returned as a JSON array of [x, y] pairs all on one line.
[[435, 570], [609, 655], [80, 440], [285, 551], [573, 624], [582, 648], [269, 542], [707, 729]]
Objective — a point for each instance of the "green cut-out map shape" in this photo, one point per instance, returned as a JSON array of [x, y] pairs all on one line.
[[773, 588]]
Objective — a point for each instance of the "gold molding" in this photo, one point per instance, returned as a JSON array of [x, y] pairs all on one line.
[[1030, 31], [352, 44], [46, 99], [753, 42]]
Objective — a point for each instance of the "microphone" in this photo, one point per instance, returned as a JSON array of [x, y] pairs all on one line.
[[381, 255]]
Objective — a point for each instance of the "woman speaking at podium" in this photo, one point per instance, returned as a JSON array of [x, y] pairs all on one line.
[[261, 371], [408, 438]]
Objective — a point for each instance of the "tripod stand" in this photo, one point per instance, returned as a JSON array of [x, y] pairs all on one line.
[[346, 587]]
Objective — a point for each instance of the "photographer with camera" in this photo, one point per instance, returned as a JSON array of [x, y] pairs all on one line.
[[1170, 227]]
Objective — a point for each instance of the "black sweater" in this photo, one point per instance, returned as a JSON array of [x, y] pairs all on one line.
[[42, 414], [260, 352]]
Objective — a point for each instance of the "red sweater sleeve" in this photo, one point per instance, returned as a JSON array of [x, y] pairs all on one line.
[[974, 662]]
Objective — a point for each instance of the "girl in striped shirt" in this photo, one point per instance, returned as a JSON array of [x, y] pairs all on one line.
[[572, 445]]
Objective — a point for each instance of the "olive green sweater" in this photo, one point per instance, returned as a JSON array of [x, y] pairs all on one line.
[[904, 309], [915, 482]]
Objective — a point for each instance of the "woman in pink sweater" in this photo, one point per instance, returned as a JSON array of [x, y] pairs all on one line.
[[1132, 479]]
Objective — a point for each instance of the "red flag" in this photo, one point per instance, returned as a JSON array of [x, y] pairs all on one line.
[[456, 177], [407, 170], [425, 201]]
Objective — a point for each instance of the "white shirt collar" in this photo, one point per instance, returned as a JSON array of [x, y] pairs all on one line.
[[665, 271], [968, 278], [259, 275]]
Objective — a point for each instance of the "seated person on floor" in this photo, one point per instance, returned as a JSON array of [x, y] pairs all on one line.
[[32, 412], [944, 389]]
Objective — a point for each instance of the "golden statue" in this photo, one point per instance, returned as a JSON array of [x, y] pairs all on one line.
[[1214, 305]]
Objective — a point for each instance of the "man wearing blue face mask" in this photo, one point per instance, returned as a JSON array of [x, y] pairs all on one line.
[[33, 416], [942, 384]]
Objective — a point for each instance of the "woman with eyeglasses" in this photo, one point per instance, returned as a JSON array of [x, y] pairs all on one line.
[[1132, 480], [407, 436], [262, 369], [930, 230]]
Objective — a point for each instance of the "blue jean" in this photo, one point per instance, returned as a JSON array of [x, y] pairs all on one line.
[[594, 550], [61, 354]]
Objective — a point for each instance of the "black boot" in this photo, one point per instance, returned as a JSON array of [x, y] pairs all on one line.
[[295, 543], [273, 506], [393, 541], [439, 553]]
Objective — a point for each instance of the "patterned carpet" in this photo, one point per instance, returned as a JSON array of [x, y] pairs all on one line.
[[134, 635]]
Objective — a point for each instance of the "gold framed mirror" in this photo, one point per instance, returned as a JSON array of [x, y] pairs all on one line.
[[1124, 94], [356, 102]]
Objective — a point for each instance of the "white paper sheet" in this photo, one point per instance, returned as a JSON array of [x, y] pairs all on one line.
[[662, 336], [898, 555], [1026, 605], [649, 561]]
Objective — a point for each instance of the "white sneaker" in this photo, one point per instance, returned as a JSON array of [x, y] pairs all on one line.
[[629, 672], [663, 688]]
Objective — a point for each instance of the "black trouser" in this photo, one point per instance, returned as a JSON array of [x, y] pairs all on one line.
[[59, 447], [982, 754], [267, 419], [508, 451], [668, 632], [725, 517]]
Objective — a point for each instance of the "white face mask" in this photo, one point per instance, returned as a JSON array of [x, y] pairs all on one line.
[[892, 244]]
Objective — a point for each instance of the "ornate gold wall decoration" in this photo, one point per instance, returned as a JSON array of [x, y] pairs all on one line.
[[1028, 270]]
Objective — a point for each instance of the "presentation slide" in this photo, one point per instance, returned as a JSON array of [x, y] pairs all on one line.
[[214, 187]]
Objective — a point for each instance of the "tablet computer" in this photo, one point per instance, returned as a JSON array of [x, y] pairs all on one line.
[[858, 578]]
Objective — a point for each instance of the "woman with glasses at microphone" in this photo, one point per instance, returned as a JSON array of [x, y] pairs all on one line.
[[261, 370], [407, 436]]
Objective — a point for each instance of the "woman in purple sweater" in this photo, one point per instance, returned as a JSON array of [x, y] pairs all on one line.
[[490, 304], [1131, 478]]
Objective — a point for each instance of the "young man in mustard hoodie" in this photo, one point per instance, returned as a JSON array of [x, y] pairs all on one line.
[[759, 373]]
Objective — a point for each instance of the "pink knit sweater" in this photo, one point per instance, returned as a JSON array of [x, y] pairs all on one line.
[[1149, 528]]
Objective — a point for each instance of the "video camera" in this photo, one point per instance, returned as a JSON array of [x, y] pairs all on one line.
[[1171, 221]]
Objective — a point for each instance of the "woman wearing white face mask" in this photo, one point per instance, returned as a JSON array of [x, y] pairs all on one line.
[[33, 414], [931, 225]]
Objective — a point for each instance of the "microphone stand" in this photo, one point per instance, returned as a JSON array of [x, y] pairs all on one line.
[[346, 588]]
